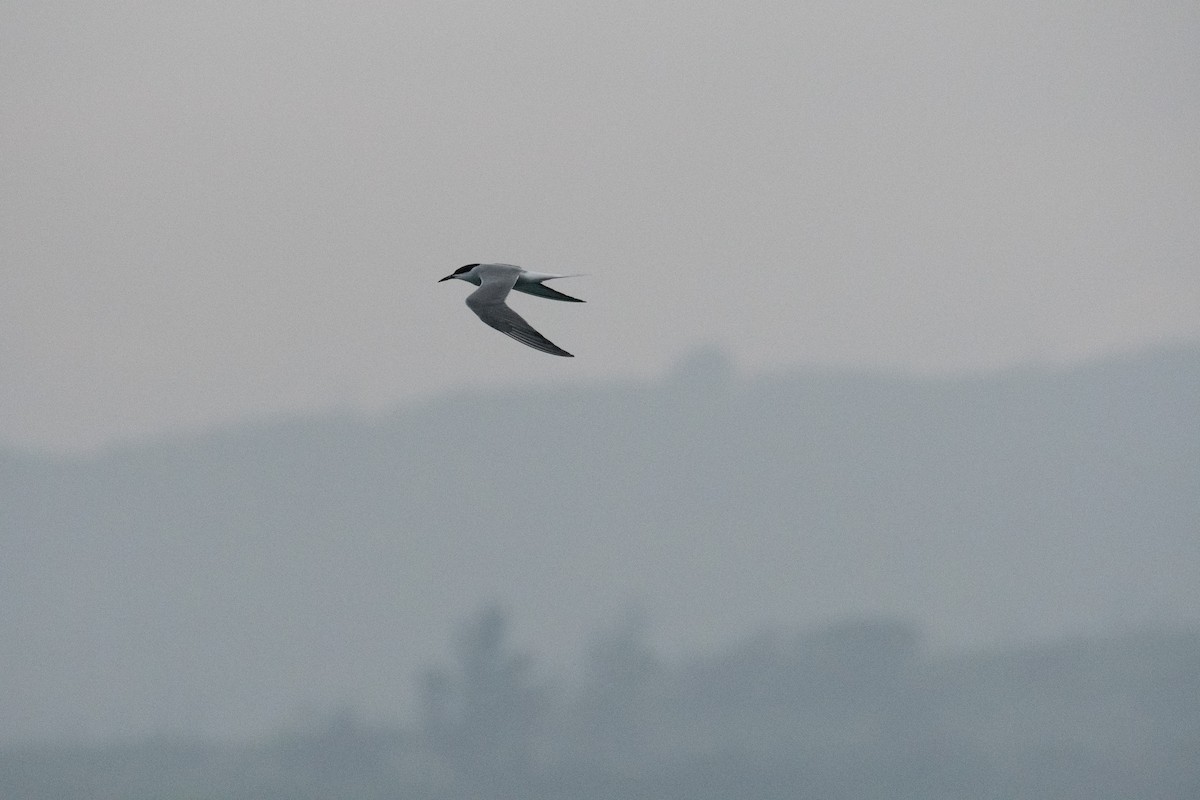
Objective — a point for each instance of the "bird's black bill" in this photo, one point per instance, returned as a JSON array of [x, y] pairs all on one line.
[[460, 271]]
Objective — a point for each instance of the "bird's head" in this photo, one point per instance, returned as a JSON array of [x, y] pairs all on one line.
[[466, 273]]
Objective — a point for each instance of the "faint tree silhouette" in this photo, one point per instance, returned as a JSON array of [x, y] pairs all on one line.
[[614, 717], [484, 714]]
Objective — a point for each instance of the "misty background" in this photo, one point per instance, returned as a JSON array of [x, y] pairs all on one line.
[[877, 473]]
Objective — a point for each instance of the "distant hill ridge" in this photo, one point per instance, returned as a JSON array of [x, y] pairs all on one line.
[[216, 581]]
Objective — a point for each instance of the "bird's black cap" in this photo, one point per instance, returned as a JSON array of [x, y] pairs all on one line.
[[458, 271]]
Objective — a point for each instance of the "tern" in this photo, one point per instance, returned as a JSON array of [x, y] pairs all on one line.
[[495, 281]]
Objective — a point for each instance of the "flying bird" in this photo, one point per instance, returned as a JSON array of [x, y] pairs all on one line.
[[495, 281]]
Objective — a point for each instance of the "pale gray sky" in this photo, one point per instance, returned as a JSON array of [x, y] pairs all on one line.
[[225, 209]]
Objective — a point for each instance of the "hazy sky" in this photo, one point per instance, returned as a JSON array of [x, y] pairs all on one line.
[[211, 210]]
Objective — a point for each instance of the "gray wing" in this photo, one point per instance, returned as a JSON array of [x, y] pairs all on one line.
[[488, 304], [534, 283], [542, 290]]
